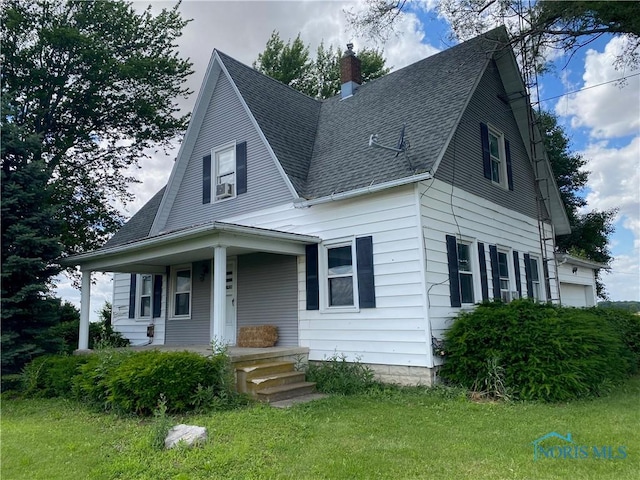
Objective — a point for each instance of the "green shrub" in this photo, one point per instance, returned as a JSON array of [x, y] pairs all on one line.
[[543, 352], [11, 382], [136, 384], [337, 375], [52, 375], [627, 324], [91, 384]]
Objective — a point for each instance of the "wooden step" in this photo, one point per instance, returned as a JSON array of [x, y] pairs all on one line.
[[259, 370], [273, 380], [282, 392]]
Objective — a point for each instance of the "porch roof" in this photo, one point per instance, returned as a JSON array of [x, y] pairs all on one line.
[[154, 254]]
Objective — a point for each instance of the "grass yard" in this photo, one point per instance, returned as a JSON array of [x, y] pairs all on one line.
[[408, 434]]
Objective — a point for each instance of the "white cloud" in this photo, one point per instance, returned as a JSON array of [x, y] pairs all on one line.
[[611, 110], [623, 281], [614, 181]]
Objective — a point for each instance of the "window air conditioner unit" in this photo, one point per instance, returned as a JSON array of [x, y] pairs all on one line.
[[509, 296], [224, 190]]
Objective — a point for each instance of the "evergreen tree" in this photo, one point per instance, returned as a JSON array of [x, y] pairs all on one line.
[[290, 64]]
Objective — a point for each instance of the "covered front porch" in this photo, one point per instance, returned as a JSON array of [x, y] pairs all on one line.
[[200, 283]]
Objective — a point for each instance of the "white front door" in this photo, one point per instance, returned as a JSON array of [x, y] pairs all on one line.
[[230, 323]]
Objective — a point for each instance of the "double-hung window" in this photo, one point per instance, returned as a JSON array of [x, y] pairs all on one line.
[[465, 273], [340, 276], [182, 292], [461, 271], [535, 278], [496, 157], [225, 172], [503, 271], [146, 290], [496, 152]]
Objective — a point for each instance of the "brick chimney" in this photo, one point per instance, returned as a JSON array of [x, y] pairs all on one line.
[[350, 77]]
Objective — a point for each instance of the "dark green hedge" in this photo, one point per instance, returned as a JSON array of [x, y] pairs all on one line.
[[540, 351], [134, 382]]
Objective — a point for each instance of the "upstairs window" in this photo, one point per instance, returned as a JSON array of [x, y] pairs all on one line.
[[496, 157], [225, 172]]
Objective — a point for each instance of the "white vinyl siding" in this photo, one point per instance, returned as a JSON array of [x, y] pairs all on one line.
[[134, 329], [392, 333], [447, 212]]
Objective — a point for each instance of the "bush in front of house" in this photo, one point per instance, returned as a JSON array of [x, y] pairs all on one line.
[[535, 351], [134, 382], [138, 382], [51, 375], [337, 375]]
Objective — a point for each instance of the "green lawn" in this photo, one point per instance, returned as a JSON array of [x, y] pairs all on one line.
[[412, 434]]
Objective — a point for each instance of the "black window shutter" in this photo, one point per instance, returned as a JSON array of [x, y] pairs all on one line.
[[527, 274], [507, 152], [132, 296], [547, 281], [157, 295], [484, 282], [364, 258], [313, 287], [206, 179], [241, 168], [454, 279], [486, 156], [495, 271], [516, 272]]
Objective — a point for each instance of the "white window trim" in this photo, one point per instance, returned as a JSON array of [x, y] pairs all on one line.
[[139, 296], [504, 183], [172, 292], [214, 171], [323, 271], [475, 271]]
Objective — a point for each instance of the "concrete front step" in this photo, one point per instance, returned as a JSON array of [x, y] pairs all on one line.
[[282, 392], [273, 380]]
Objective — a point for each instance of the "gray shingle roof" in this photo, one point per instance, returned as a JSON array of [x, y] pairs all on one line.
[[287, 117], [323, 146], [139, 225]]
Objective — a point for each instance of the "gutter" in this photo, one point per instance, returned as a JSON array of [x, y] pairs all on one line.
[[334, 197]]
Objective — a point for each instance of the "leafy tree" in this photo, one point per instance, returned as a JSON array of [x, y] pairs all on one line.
[[589, 237], [320, 77], [96, 84], [87, 89], [538, 25]]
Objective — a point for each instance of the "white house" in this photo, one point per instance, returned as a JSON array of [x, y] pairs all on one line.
[[361, 224]]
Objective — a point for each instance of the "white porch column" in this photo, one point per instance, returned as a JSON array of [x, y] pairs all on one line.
[[219, 294], [85, 300]]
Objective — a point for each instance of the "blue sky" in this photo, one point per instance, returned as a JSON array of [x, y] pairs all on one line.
[[603, 122]]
